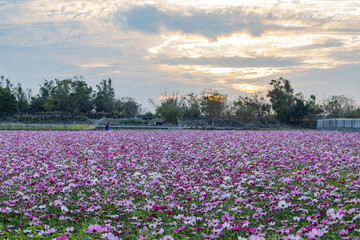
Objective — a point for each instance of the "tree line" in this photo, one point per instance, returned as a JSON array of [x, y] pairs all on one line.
[[70, 96], [280, 104], [74, 97]]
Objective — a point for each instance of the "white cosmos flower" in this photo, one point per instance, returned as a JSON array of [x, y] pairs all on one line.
[[282, 204], [64, 208], [242, 238], [331, 210], [136, 174], [226, 178]]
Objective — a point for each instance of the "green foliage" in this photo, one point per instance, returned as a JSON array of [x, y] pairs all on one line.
[[8, 103], [282, 99], [148, 116], [5, 83], [126, 107], [170, 109], [22, 98], [291, 108], [70, 96], [252, 108], [39, 103], [354, 113], [314, 108], [105, 97], [213, 104], [130, 106], [192, 106], [339, 106]]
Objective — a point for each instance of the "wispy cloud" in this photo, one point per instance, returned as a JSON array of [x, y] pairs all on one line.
[[95, 65], [209, 24], [232, 45]]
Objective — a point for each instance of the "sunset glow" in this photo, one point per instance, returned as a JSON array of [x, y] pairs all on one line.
[[161, 98], [182, 45], [249, 88]]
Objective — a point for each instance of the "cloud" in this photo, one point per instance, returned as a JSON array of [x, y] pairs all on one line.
[[232, 62], [249, 88], [255, 20], [150, 19], [146, 45], [329, 43], [355, 29], [96, 65], [347, 55]]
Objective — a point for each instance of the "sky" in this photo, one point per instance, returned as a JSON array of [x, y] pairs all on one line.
[[154, 47]]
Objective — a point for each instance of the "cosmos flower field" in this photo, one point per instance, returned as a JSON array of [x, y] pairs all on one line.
[[179, 185]]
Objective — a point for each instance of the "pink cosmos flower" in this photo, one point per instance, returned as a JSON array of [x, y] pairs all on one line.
[[179, 229], [105, 228], [94, 228], [292, 237], [51, 230], [167, 237], [315, 233], [57, 203], [110, 236], [254, 237], [144, 238], [295, 192], [237, 228], [250, 230], [64, 237]]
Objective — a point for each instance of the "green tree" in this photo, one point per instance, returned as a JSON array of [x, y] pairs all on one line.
[[314, 108], [5, 83], [338, 106], [171, 108], [291, 108], [39, 102], [118, 109], [213, 104], [354, 113], [192, 106], [282, 99], [82, 97], [8, 103], [131, 107], [71, 96], [252, 108], [148, 116], [22, 98], [105, 97]]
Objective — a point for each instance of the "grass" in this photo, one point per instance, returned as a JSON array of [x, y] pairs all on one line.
[[74, 127]]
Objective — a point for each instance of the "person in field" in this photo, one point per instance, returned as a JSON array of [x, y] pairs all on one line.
[[107, 127]]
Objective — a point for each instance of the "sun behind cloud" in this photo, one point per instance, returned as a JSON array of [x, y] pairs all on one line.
[[248, 87]]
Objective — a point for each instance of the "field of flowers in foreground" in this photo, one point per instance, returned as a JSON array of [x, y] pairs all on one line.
[[179, 185]]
